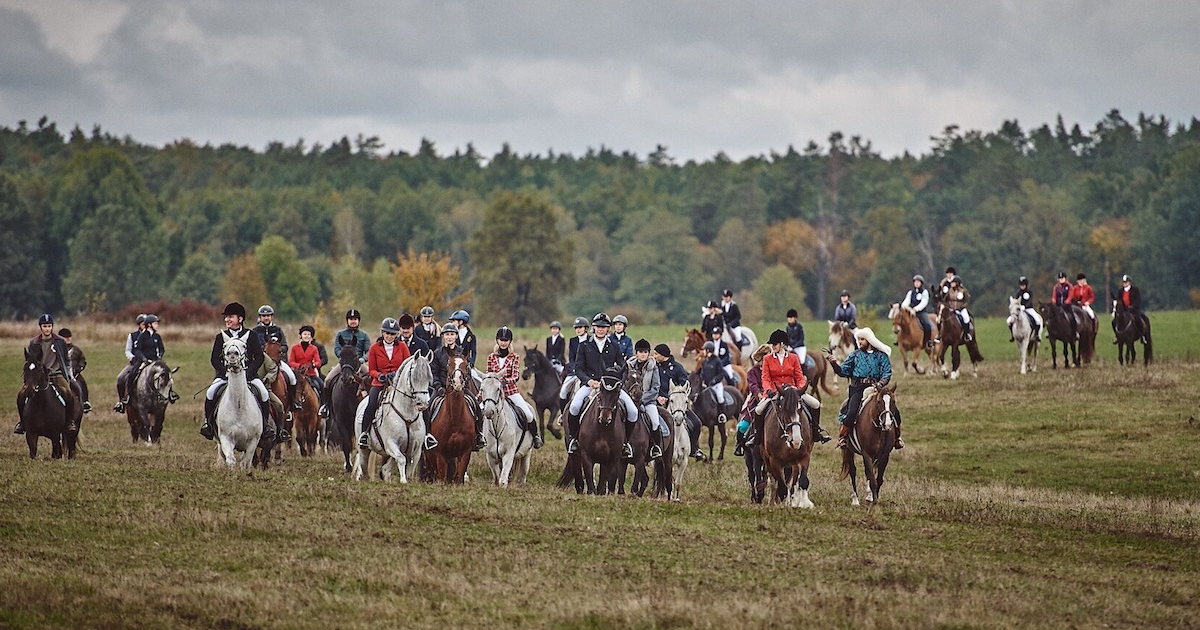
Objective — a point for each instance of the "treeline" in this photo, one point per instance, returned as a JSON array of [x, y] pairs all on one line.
[[92, 222]]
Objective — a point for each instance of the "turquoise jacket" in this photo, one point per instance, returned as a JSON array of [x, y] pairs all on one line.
[[865, 364]]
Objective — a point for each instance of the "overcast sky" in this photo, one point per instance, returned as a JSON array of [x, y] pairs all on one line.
[[741, 77]]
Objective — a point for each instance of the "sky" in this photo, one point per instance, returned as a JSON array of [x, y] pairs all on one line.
[[743, 78]]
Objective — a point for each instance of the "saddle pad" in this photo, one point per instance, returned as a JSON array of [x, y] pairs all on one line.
[[520, 415]]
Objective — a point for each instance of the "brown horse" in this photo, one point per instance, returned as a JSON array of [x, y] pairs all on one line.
[[952, 335], [308, 418], [454, 426], [276, 384], [1059, 328], [43, 410], [817, 375], [909, 336], [1129, 330], [601, 433], [639, 435], [743, 385], [787, 449], [693, 340], [872, 436], [1087, 335]]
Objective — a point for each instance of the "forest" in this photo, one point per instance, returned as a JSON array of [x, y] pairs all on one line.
[[97, 224]]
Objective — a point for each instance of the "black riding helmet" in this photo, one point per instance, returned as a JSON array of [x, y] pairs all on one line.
[[504, 333], [1023, 280]]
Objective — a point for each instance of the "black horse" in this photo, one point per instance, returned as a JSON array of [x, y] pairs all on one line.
[[546, 385], [43, 410], [1060, 327], [1130, 328], [705, 406], [343, 396]]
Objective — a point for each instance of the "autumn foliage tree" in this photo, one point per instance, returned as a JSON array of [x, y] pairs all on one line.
[[243, 282], [429, 279]]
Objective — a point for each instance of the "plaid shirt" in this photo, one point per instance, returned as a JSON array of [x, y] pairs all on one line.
[[509, 374]]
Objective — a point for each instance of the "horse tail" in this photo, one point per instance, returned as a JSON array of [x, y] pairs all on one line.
[[568, 474], [823, 381], [1148, 350], [847, 463], [973, 350]]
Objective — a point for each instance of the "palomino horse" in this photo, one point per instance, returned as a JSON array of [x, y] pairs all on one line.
[[453, 426], [1059, 329], [1128, 330], [546, 383], [953, 335], [147, 408], [239, 417], [787, 444], [343, 393], [679, 402], [872, 436], [308, 419], [907, 328], [705, 406], [43, 410], [506, 443], [1022, 331], [399, 433]]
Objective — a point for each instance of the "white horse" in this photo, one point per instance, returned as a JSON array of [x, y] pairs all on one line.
[[239, 416], [1022, 332], [398, 432], [747, 348], [506, 444], [679, 401]]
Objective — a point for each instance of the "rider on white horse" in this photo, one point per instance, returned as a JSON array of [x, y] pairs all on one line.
[[733, 317], [1026, 299], [383, 362], [599, 357], [234, 315], [647, 373], [507, 364]]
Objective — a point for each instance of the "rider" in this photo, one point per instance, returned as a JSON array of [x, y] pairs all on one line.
[[956, 299], [350, 336], [782, 368], [795, 336], [733, 317], [1131, 297], [599, 357], [383, 361], [147, 348], [721, 350], [78, 363], [754, 380], [619, 323], [671, 372], [466, 336], [1083, 295], [1026, 299], [234, 314], [712, 376], [305, 357], [507, 364], [266, 329], [944, 285], [581, 335], [867, 366], [427, 329], [714, 317], [556, 347], [646, 371], [57, 361], [917, 299], [124, 373], [1061, 296], [440, 367], [846, 311], [408, 334]]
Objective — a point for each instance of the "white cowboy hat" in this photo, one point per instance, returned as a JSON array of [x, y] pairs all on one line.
[[869, 335]]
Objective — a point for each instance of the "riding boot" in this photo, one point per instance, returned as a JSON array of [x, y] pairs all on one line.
[[20, 428], [843, 435], [538, 442], [626, 450], [739, 447], [363, 437], [71, 425], [925, 341], [479, 443], [573, 432], [820, 434], [291, 402], [210, 410], [282, 434], [269, 435], [656, 444]]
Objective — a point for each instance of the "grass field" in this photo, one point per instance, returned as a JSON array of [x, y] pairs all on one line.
[[1055, 499]]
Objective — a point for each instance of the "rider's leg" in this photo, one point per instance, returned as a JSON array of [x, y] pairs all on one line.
[[814, 417], [121, 377], [899, 441], [208, 429], [693, 430], [656, 430], [849, 414], [368, 417], [68, 394], [531, 423], [290, 381], [926, 329], [270, 431], [573, 410], [631, 417]]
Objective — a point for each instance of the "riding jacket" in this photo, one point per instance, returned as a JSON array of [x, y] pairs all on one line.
[[848, 313], [710, 322], [303, 354], [670, 371], [917, 299], [733, 314], [1061, 296], [625, 343], [795, 333], [711, 373], [129, 344], [509, 369], [76, 358], [379, 363], [1025, 297], [440, 366], [265, 332], [353, 337], [1081, 294], [466, 339], [755, 392], [647, 372], [959, 299], [148, 347], [776, 372], [573, 363], [556, 349], [415, 344], [254, 353], [865, 365], [596, 361], [429, 334], [1131, 297], [58, 361]]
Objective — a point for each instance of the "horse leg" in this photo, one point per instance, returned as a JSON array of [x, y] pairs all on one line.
[[869, 472], [712, 428], [506, 466], [362, 461], [724, 439], [852, 470], [31, 440], [955, 360], [802, 496]]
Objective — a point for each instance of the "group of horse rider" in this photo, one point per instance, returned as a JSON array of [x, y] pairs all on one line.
[[1066, 295]]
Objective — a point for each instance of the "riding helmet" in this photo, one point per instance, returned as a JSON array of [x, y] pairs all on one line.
[[641, 346], [1080, 276], [556, 324], [141, 318], [426, 311], [461, 316], [266, 309], [663, 349], [310, 329], [951, 270], [1062, 274], [709, 346], [1022, 280], [778, 337], [504, 333], [601, 319], [792, 313], [235, 308], [727, 293], [712, 304], [955, 280], [845, 293], [46, 318], [449, 328], [353, 314], [406, 321], [150, 319], [1125, 278], [65, 333], [390, 325], [621, 319], [919, 277], [581, 322]]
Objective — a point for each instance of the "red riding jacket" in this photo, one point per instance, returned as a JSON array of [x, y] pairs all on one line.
[[776, 375], [378, 362], [1081, 294], [299, 356]]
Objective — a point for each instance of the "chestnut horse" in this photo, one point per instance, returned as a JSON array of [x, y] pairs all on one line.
[[43, 410], [909, 336], [454, 426], [872, 436], [277, 387], [953, 335], [1130, 329], [308, 418], [694, 340], [787, 444]]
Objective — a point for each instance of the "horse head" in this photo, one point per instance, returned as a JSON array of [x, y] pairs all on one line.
[[161, 381], [679, 401], [234, 354], [273, 349], [1014, 306], [887, 416], [491, 394], [693, 340], [348, 356], [458, 375], [789, 418], [633, 383], [609, 398], [535, 362], [35, 376], [417, 379]]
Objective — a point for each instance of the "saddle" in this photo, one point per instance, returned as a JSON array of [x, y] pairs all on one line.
[[520, 415], [868, 396], [275, 408]]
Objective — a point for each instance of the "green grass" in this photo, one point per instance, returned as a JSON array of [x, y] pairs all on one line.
[[1056, 499]]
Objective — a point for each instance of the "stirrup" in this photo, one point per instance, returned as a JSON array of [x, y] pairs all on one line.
[[626, 451], [87, 406], [823, 436], [364, 440], [899, 444], [206, 430], [120, 407], [479, 443], [430, 442], [323, 411], [572, 446], [841, 443], [738, 451], [655, 451], [282, 435], [537, 441], [19, 429], [697, 455]]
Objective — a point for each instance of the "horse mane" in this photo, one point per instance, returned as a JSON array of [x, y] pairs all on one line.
[[789, 400]]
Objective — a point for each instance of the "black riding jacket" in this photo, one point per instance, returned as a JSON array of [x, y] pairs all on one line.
[[254, 352], [594, 362]]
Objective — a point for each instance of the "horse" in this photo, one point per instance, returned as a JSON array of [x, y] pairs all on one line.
[[743, 384], [1087, 334], [43, 410], [710, 416], [679, 402], [693, 341], [277, 390], [147, 408], [786, 452], [872, 436], [343, 393], [454, 426], [1022, 331], [546, 383], [639, 435], [601, 433], [307, 420], [952, 335], [841, 341], [1129, 329], [817, 375], [909, 336], [507, 443], [239, 417], [399, 433], [1059, 329]]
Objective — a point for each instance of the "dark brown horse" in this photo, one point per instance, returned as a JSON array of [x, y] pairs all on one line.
[[639, 435], [1087, 335], [43, 410], [705, 407], [601, 433], [1059, 329], [308, 419], [952, 335], [787, 444], [872, 436], [454, 426], [546, 384], [343, 393], [909, 337], [1130, 329]]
